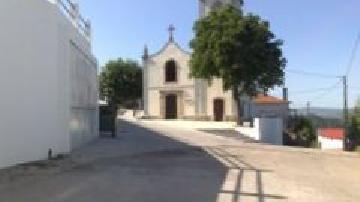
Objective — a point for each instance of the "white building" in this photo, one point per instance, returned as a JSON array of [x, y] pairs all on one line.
[[331, 138], [265, 106], [169, 93], [266, 130], [268, 116], [48, 83]]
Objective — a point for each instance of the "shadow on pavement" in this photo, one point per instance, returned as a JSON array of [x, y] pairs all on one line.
[[162, 169], [142, 165], [229, 133], [239, 167], [203, 171]]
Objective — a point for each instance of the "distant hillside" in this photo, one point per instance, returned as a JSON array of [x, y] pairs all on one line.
[[327, 113]]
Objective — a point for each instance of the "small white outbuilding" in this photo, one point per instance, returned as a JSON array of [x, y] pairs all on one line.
[[268, 115], [331, 138]]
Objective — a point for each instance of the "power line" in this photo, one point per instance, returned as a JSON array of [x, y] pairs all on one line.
[[331, 89], [313, 90], [353, 55], [304, 73]]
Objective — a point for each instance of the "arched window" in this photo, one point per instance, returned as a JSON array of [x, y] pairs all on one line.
[[170, 71]]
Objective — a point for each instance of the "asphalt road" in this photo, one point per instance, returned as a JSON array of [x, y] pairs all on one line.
[[154, 163]]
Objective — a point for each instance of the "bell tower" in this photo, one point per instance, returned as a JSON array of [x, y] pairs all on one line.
[[207, 6]]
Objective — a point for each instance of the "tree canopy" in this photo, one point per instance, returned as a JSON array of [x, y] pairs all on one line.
[[121, 82], [238, 48], [357, 109], [355, 125]]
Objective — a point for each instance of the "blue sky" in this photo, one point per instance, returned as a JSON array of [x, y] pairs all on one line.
[[319, 36]]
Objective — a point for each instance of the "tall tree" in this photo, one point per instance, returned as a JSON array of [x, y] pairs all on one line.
[[240, 49], [357, 109], [354, 132], [121, 82]]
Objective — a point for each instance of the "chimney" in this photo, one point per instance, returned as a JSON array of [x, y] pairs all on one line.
[[146, 53], [285, 94]]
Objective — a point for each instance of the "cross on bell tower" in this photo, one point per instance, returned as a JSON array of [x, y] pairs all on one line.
[[171, 30]]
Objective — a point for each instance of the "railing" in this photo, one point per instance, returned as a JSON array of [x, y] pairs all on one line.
[[71, 10]]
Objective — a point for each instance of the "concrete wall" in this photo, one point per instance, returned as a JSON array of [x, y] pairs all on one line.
[[271, 130], [82, 89], [327, 143], [267, 130], [35, 83], [271, 110], [252, 110], [215, 91], [83, 102]]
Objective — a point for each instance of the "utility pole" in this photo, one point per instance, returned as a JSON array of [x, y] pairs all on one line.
[[346, 112], [308, 109]]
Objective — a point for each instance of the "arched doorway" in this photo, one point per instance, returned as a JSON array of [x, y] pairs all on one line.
[[219, 107], [171, 111]]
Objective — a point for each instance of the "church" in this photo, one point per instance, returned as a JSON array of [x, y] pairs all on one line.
[[169, 92]]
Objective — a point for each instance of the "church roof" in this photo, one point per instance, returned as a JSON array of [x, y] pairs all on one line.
[[167, 45], [170, 42]]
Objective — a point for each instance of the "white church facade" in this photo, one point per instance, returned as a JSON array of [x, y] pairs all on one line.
[[170, 93]]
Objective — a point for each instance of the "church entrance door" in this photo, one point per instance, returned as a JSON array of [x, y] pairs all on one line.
[[218, 109], [171, 106]]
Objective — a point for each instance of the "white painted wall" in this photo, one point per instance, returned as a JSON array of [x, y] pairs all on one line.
[[271, 110], [328, 143], [154, 83], [252, 110], [267, 130], [216, 91], [154, 80], [84, 96], [36, 82], [252, 132]]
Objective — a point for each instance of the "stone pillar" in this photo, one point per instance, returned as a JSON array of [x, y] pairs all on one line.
[[145, 90], [162, 105]]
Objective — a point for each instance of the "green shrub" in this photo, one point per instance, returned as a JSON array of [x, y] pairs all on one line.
[[354, 133], [305, 133]]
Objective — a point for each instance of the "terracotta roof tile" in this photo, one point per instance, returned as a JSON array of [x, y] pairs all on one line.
[[266, 99], [332, 133]]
